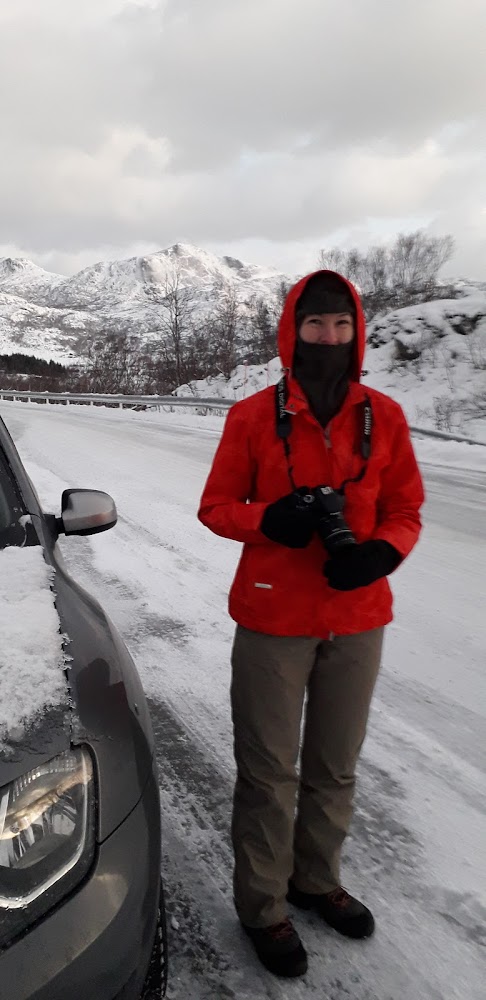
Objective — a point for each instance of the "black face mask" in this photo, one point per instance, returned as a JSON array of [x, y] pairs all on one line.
[[323, 372]]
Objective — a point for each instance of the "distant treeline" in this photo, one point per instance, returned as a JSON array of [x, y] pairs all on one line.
[[25, 364]]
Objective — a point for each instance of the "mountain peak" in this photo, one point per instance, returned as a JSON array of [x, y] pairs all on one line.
[[12, 265], [183, 250], [21, 275]]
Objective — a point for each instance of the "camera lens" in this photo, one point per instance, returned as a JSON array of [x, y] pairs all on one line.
[[332, 528]]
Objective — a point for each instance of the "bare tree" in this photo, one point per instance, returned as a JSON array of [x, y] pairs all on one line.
[[388, 277], [224, 328], [261, 331], [334, 259], [199, 352], [345, 262], [175, 325], [282, 292], [416, 259]]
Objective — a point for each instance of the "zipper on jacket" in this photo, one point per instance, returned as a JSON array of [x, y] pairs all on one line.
[[326, 433]]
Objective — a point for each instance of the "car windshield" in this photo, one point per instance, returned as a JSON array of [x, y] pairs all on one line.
[[13, 523]]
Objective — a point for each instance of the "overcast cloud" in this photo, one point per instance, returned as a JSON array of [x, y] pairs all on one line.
[[262, 128]]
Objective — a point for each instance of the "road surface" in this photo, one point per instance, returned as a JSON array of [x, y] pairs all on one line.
[[416, 853]]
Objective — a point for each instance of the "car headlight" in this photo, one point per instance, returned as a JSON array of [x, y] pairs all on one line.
[[47, 837]]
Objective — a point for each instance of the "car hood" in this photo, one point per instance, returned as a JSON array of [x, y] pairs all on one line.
[[34, 696], [102, 706]]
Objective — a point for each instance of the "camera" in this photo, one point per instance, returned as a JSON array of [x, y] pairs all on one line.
[[330, 524]]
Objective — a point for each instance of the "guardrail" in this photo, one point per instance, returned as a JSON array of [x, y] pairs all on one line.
[[443, 436], [207, 403], [93, 398]]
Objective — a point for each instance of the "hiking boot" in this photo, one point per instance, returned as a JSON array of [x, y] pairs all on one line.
[[340, 910], [279, 948]]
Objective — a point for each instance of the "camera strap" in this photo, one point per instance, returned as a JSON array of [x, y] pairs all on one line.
[[284, 430], [284, 424]]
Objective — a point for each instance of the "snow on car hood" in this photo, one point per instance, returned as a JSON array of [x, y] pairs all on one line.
[[32, 658]]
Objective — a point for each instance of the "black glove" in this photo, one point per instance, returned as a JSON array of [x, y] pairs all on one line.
[[358, 565], [289, 520]]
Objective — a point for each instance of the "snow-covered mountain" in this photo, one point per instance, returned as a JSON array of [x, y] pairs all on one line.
[[430, 358], [47, 314]]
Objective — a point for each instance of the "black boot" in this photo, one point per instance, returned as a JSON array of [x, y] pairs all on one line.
[[340, 910], [279, 948]]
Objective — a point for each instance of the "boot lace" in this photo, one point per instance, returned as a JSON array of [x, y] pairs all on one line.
[[339, 897]]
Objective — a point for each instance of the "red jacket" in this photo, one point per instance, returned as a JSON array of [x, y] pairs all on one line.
[[282, 591]]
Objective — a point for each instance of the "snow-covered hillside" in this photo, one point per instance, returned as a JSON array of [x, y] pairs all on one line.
[[47, 314], [430, 358]]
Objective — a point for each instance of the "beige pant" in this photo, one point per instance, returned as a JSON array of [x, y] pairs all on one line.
[[271, 675]]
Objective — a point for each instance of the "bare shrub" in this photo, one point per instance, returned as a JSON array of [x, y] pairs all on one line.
[[476, 345], [448, 412], [448, 366], [114, 363]]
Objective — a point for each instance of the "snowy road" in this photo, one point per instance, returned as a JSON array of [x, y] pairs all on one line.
[[417, 852]]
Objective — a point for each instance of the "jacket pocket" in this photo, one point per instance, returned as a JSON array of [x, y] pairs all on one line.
[[277, 586]]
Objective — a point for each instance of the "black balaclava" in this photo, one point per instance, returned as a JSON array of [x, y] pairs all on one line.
[[323, 370]]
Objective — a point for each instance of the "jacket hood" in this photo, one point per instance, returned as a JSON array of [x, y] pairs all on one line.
[[287, 333]]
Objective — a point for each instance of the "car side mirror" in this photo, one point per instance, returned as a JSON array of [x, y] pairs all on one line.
[[86, 512]]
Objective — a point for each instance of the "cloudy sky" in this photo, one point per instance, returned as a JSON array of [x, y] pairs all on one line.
[[261, 128]]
